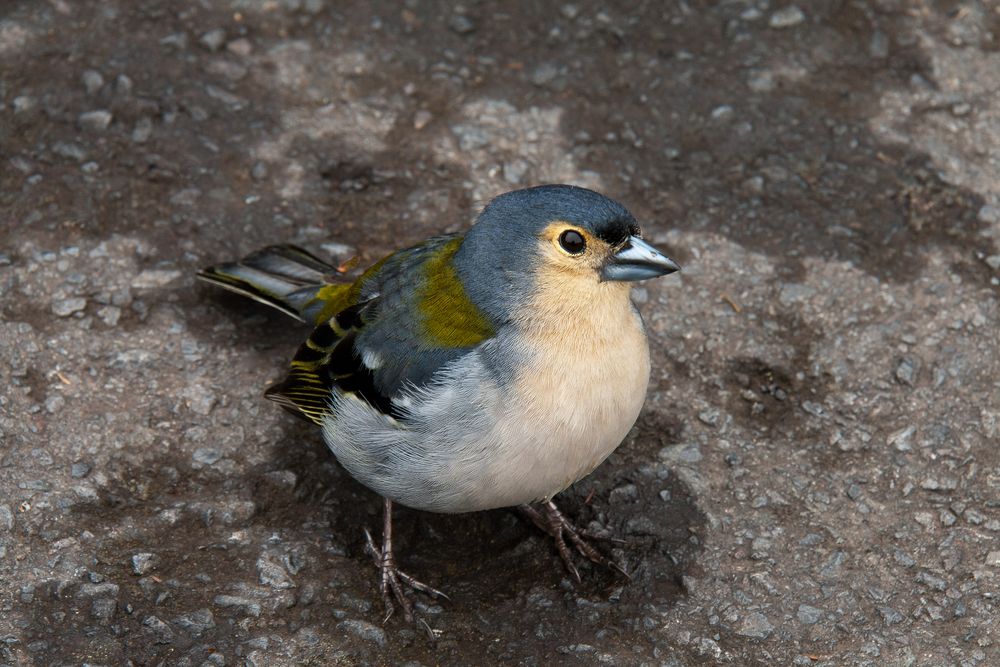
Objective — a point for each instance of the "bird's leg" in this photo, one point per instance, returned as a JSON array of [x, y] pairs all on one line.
[[551, 521], [392, 579]]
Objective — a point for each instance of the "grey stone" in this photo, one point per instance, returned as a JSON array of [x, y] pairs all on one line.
[[461, 24], [93, 81], [54, 403], [709, 416], [206, 456], [66, 307], [94, 590], [103, 610], [907, 370], [272, 574], [626, 493], [544, 73], [161, 632], [515, 170], [245, 605], [240, 46], [809, 615], [786, 17], [890, 616], [989, 214], [196, 623], [144, 562], [213, 40], [109, 315], [143, 130], [684, 453], [813, 408], [155, 278], [831, 568], [364, 630], [98, 120], [23, 104], [123, 85], [878, 47], [755, 625], [259, 171]]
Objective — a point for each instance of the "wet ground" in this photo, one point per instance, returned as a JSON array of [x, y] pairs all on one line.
[[815, 479]]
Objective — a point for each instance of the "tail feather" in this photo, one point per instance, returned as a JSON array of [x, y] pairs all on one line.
[[285, 277]]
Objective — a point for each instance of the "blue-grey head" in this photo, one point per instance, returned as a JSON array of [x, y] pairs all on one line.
[[552, 233]]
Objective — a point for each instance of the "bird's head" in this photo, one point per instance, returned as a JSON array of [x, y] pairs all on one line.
[[556, 237]]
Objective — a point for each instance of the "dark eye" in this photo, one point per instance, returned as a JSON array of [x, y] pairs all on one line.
[[572, 242]]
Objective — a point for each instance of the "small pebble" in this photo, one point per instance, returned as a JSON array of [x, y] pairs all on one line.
[[515, 170], [786, 17], [6, 518], [755, 625], [544, 74], [196, 623], [54, 403], [245, 605], [906, 371], [259, 171], [162, 634], [69, 150], [143, 563], [364, 630], [142, 130], [153, 278], [809, 615], [123, 85], [92, 81], [271, 574], [206, 456], [213, 39], [627, 493], [709, 416], [461, 24], [103, 609], [890, 616], [66, 307], [23, 103], [421, 119], [97, 120], [240, 47]]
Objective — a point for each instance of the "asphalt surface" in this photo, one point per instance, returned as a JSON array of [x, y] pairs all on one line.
[[815, 478]]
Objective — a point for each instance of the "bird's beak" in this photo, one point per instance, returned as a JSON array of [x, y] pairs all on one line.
[[637, 260]]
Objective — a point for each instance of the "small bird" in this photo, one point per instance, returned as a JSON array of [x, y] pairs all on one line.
[[485, 369]]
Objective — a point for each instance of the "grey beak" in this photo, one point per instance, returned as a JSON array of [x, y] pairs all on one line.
[[637, 260]]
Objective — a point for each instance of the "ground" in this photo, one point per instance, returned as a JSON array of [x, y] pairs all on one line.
[[814, 480]]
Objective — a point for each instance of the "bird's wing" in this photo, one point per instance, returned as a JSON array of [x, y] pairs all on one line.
[[408, 316]]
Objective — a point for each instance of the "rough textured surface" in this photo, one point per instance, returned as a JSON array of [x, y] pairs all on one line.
[[815, 479]]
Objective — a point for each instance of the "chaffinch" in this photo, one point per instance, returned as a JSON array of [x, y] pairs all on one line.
[[473, 371]]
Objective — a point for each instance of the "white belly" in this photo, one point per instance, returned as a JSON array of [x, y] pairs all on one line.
[[573, 406]]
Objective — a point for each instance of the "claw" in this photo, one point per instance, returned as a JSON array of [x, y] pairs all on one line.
[[392, 579], [552, 522]]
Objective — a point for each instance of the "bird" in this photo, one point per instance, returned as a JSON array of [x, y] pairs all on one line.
[[483, 369]]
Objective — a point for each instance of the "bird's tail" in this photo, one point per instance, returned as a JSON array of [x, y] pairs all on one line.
[[285, 277]]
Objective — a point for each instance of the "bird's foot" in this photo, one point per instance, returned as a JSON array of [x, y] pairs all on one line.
[[392, 580], [551, 521]]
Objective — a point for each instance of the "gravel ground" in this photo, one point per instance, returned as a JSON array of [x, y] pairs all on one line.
[[815, 479]]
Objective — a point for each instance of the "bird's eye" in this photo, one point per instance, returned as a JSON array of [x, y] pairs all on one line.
[[572, 242]]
